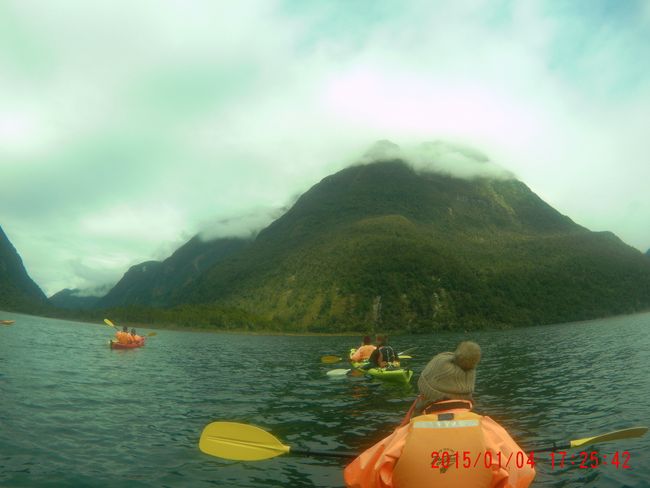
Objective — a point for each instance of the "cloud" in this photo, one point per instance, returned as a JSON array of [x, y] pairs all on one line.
[[245, 225], [127, 128]]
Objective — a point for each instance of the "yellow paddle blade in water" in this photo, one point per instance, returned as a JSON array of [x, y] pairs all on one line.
[[151, 334], [611, 436], [109, 323], [331, 359], [240, 442]]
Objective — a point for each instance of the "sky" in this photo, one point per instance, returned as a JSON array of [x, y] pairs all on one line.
[[127, 127]]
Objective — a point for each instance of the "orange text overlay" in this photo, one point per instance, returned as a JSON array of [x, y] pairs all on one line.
[[447, 458]]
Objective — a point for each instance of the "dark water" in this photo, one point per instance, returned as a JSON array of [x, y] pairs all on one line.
[[75, 413]]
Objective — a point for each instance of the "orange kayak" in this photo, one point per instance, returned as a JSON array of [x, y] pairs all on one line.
[[132, 345]]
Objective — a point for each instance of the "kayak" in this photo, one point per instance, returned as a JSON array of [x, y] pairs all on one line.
[[132, 345], [400, 375], [390, 373], [6, 322]]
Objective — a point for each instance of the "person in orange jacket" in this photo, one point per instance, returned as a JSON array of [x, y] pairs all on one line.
[[446, 445], [123, 336], [135, 337], [364, 351]]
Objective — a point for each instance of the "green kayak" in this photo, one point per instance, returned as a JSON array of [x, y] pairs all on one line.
[[391, 373], [398, 375]]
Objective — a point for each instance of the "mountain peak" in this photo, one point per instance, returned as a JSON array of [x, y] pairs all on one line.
[[383, 150], [438, 156]]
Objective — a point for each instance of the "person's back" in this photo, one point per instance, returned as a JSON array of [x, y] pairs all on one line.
[[135, 337], [364, 352], [123, 336], [384, 355], [447, 445]]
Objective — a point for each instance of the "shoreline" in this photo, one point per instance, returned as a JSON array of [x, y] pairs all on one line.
[[266, 332], [177, 328]]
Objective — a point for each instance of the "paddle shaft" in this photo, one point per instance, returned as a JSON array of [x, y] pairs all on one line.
[[335, 454], [630, 433], [562, 446]]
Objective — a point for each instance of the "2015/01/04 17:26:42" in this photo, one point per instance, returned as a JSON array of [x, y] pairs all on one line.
[[445, 459]]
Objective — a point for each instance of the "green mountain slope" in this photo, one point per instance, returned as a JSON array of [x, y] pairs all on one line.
[[382, 246], [17, 290]]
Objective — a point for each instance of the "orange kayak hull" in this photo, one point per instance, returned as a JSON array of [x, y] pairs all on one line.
[[132, 345]]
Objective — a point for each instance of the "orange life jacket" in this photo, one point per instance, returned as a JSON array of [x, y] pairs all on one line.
[[122, 337], [450, 448], [363, 353]]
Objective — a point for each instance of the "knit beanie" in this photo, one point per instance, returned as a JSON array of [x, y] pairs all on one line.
[[451, 374]]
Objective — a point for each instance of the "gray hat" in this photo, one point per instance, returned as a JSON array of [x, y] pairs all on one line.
[[451, 375]]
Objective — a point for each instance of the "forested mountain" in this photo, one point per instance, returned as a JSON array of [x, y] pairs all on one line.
[[17, 290], [383, 246], [73, 299], [156, 283]]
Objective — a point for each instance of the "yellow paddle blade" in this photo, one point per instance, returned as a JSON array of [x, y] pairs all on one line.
[[240, 442], [611, 436], [109, 323], [331, 359], [151, 334]]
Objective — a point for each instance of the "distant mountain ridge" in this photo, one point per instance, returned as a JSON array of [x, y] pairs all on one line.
[[383, 246], [74, 299], [17, 290], [156, 283]]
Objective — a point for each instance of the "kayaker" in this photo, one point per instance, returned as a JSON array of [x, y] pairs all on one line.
[[135, 337], [446, 444], [123, 336], [384, 355], [364, 351]]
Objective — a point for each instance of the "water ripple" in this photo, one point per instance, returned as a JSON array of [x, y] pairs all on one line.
[[75, 413]]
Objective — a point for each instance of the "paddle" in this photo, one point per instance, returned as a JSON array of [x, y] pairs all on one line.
[[338, 372], [407, 350], [331, 359], [337, 359], [242, 442], [111, 324], [587, 441]]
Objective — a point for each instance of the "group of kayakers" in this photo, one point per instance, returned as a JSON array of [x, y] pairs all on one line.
[[379, 355], [441, 441], [125, 337]]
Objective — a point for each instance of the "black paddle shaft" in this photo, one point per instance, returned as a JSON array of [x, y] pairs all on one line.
[[309, 452]]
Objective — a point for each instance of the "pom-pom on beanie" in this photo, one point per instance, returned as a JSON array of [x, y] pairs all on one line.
[[451, 375]]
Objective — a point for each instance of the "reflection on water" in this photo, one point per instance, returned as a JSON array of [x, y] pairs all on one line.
[[74, 413]]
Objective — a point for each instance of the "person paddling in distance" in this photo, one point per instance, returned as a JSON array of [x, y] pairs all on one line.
[[135, 337], [383, 356], [445, 444], [123, 336], [364, 351]]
